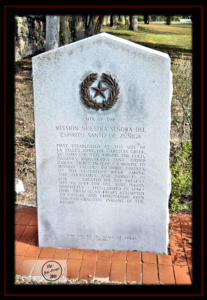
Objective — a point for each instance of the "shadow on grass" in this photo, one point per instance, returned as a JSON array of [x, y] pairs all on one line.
[[169, 49], [150, 30], [166, 48], [119, 34]]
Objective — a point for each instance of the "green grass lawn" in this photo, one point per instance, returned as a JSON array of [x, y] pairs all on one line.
[[158, 36]]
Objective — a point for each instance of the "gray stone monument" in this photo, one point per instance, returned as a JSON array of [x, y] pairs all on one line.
[[102, 130]]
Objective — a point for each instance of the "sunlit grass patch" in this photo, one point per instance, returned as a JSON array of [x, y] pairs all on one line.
[[172, 36]]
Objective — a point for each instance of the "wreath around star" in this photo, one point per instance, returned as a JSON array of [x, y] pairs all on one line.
[[90, 101]]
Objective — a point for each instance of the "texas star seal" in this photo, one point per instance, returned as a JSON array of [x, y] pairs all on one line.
[[89, 101]]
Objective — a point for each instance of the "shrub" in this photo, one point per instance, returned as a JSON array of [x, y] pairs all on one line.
[[140, 18], [181, 134], [181, 108], [181, 172]]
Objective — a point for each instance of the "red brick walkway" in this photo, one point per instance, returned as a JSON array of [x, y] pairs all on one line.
[[109, 266]]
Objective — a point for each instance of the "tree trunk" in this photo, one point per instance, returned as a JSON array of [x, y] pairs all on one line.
[[92, 25], [62, 31], [111, 21], [115, 21], [65, 35], [52, 32], [127, 23], [121, 20], [97, 25], [106, 20], [130, 23], [133, 23], [168, 20], [77, 28], [146, 19]]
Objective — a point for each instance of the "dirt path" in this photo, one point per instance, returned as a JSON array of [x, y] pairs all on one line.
[[24, 133]]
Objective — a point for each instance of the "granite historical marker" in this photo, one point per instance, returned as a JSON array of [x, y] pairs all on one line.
[[102, 130]]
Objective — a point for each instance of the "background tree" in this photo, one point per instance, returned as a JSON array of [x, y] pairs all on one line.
[[121, 21], [52, 32], [115, 20], [133, 23], [66, 29], [106, 21], [130, 23], [76, 28], [111, 21], [92, 25], [146, 19], [127, 21], [168, 20], [65, 32]]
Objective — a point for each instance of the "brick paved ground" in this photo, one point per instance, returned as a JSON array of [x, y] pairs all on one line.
[[107, 266]]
